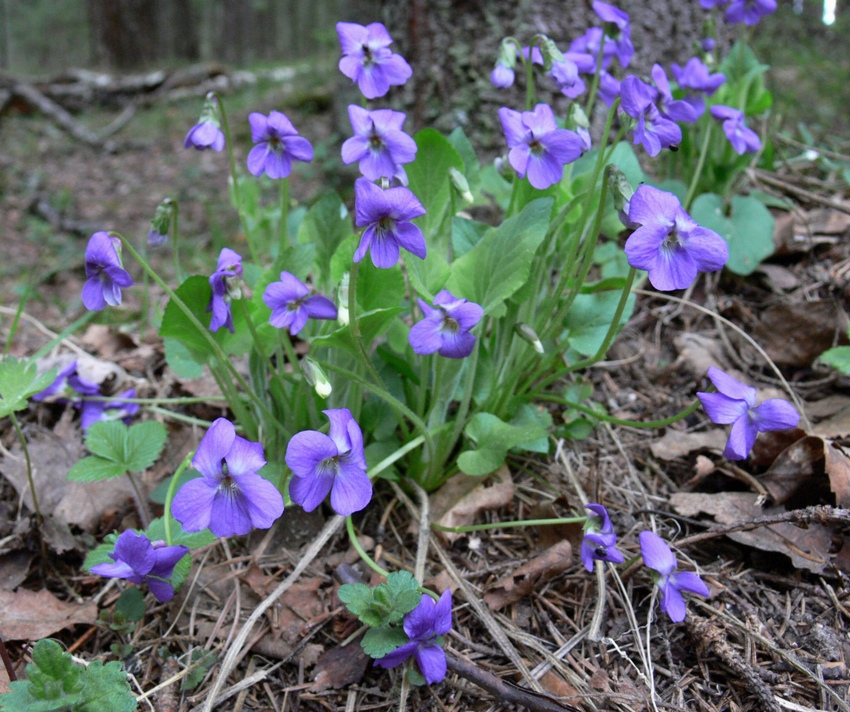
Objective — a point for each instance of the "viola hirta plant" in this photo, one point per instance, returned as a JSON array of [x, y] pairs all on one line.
[[106, 276], [277, 145], [368, 60], [445, 327], [292, 304], [671, 582], [734, 404], [379, 144], [231, 497]]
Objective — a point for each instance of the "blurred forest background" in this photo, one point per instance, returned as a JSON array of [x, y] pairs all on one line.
[[452, 40]]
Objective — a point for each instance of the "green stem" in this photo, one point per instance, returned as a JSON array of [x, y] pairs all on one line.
[[178, 273], [284, 216], [232, 159], [203, 331], [594, 85], [169, 495], [692, 189], [17, 318], [23, 441], [648, 424], [460, 417], [508, 525], [397, 455], [368, 560]]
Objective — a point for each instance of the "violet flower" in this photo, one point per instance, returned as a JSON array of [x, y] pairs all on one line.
[[424, 626], [445, 328], [332, 463], [589, 44], [709, 4], [291, 306], [616, 18], [743, 139], [105, 275], [565, 74], [379, 143], [230, 497], [652, 130], [599, 539], [224, 284], [658, 557], [67, 386], [735, 404], [139, 560], [368, 60], [673, 109], [696, 78], [538, 147], [609, 87], [668, 244], [386, 215], [502, 76], [92, 412], [749, 11], [278, 143], [207, 132]]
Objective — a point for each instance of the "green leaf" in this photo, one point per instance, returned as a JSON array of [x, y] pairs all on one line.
[[131, 604], [428, 276], [326, 225], [200, 661], [379, 642], [144, 444], [107, 440], [466, 234], [838, 358], [428, 178], [94, 469], [590, 317], [529, 415], [403, 593], [379, 288], [500, 263], [372, 325], [180, 359], [19, 380], [748, 229], [56, 684], [360, 601], [494, 438]]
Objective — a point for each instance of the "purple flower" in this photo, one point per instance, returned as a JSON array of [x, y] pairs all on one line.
[[695, 76], [156, 238], [652, 130], [619, 19], [445, 328], [92, 412], [673, 109], [68, 385], [749, 11], [743, 139], [668, 243], [379, 143], [609, 87], [207, 132], [368, 60], [589, 44], [658, 557], [223, 282], [424, 625], [709, 4], [538, 146], [230, 497], [386, 215], [502, 76], [332, 463], [139, 560], [565, 74], [599, 538], [291, 306], [735, 404], [106, 276], [278, 143]]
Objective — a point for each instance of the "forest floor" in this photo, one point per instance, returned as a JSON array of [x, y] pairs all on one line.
[[772, 636]]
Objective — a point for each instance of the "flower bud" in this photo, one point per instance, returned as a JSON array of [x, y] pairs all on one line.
[[460, 184], [526, 333], [161, 222], [342, 315], [507, 54], [549, 50], [621, 190], [316, 377], [577, 121]]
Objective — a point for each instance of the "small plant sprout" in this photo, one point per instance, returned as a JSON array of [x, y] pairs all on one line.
[[671, 582]]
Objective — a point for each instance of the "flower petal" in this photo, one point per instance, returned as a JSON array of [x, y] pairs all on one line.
[[775, 414], [263, 500], [352, 489], [742, 437], [728, 386], [722, 409], [244, 457], [656, 553], [306, 450], [214, 447], [431, 661], [192, 504]]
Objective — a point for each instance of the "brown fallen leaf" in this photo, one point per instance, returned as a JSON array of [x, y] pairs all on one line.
[[807, 548], [795, 334], [14, 568], [529, 576], [340, 667], [794, 468], [32, 615], [53, 454], [676, 443], [837, 465], [463, 497]]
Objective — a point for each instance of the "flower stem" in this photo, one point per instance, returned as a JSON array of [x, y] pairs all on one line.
[[169, 496], [648, 424], [233, 177], [508, 525], [284, 216], [368, 560], [178, 273], [692, 189], [204, 333]]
